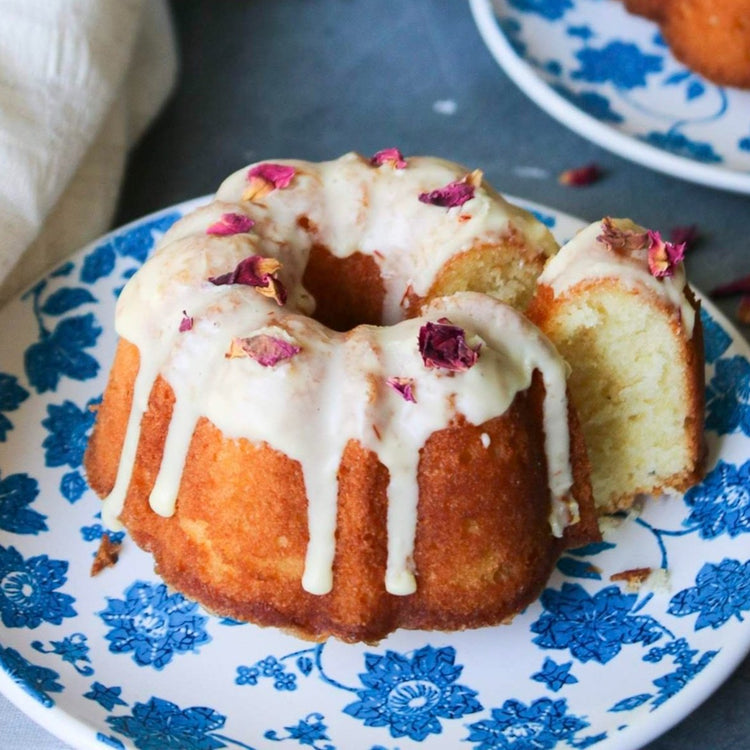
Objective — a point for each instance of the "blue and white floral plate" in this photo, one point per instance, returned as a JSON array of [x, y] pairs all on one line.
[[120, 661], [608, 76]]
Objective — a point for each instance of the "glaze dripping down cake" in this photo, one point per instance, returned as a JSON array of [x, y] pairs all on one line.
[[326, 415]]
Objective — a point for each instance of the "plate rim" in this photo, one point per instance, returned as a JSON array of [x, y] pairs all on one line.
[[76, 731], [587, 126]]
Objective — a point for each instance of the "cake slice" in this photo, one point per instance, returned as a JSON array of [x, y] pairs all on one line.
[[616, 303]]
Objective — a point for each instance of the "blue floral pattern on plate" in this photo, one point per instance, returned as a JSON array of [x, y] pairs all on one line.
[[146, 668], [610, 77]]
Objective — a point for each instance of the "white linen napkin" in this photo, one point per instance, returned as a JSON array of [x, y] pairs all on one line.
[[79, 82]]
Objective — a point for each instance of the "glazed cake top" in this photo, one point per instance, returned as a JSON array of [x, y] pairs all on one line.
[[219, 312]]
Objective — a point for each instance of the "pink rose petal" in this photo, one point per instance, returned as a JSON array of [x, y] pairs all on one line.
[[581, 176], [278, 175], [451, 195], [264, 178], [258, 272], [621, 240], [186, 324], [390, 156], [663, 257], [266, 350], [403, 386], [444, 345], [231, 223]]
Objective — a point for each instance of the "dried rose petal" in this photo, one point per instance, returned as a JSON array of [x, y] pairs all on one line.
[[231, 223], [621, 240], [274, 289], [453, 194], [738, 286], [279, 175], [266, 350], [581, 176], [258, 272], [687, 235], [444, 345], [663, 257], [252, 271], [263, 178], [404, 386], [390, 156], [186, 324]]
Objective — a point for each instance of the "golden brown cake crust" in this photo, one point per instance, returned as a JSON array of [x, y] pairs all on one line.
[[711, 37], [483, 548], [384, 255]]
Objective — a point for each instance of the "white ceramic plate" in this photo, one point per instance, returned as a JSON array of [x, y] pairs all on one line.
[[117, 660], [608, 76]]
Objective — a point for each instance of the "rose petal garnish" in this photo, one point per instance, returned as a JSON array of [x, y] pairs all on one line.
[[663, 257], [186, 323], [265, 349], [390, 156], [274, 289], [403, 386], [231, 223], [444, 345], [454, 193], [738, 286], [252, 271], [263, 178], [258, 272], [622, 240], [581, 176]]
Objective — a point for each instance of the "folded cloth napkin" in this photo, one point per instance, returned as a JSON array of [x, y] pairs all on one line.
[[79, 82]]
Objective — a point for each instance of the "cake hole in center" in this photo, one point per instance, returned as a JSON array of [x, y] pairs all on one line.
[[348, 291]]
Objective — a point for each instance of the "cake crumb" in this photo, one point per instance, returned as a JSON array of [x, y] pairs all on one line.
[[634, 578], [106, 556]]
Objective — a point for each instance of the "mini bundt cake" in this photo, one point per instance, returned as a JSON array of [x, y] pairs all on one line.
[[711, 37], [616, 303], [319, 419]]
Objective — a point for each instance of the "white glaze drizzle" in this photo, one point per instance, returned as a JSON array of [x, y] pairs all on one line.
[[347, 372], [585, 257], [375, 210]]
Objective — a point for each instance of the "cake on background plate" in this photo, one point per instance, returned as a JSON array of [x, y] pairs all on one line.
[[711, 37]]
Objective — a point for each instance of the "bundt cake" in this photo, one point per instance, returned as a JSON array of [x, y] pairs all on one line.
[[319, 419], [711, 37], [616, 303]]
